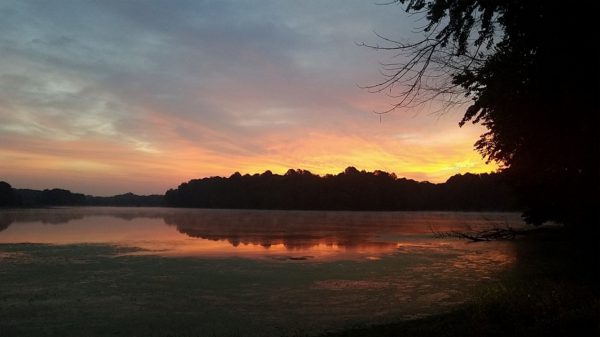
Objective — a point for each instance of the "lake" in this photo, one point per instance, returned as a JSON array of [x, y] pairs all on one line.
[[102, 271]]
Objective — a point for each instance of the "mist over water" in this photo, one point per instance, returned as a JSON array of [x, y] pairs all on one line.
[[246, 233]]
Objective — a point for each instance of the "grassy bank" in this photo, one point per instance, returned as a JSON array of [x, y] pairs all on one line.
[[553, 291]]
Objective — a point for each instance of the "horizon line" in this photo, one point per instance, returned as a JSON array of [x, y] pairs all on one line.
[[298, 170]]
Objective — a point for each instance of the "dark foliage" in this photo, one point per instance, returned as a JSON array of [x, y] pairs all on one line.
[[127, 199], [60, 197], [349, 190], [530, 73], [8, 196], [51, 197]]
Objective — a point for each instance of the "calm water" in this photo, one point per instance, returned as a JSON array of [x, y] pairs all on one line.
[[161, 271]]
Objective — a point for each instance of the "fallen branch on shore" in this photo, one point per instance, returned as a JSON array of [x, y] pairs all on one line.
[[495, 233]]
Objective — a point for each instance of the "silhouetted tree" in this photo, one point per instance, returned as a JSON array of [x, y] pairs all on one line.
[[127, 199], [8, 196], [349, 190], [61, 197], [529, 70]]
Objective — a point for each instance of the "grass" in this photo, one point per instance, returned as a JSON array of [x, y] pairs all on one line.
[[553, 291]]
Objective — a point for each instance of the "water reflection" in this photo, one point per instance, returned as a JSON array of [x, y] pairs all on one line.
[[334, 267], [295, 235], [292, 230]]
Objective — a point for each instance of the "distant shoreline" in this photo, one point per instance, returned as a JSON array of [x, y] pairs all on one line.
[[350, 190], [50, 207]]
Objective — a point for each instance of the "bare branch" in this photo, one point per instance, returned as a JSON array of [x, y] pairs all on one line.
[[424, 70]]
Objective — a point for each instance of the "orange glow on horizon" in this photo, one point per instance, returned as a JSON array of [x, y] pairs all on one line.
[[80, 164], [162, 108]]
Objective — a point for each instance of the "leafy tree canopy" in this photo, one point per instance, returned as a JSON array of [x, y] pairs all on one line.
[[528, 71], [349, 190]]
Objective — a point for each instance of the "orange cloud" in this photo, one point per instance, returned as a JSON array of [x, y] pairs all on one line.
[[118, 165]]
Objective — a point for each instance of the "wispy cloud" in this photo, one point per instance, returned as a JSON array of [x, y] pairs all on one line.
[[109, 96]]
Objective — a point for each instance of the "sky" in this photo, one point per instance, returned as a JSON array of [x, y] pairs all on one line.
[[112, 96]]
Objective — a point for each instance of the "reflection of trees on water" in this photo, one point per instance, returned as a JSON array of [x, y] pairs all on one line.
[[52, 218], [4, 222], [57, 216], [292, 229]]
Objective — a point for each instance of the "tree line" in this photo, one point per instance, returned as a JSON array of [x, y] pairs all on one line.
[[299, 190], [11, 197], [349, 190]]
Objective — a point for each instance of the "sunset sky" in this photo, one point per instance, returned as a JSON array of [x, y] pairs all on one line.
[[106, 97]]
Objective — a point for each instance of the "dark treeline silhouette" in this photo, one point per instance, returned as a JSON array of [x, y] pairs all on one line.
[[299, 190], [349, 190], [127, 199], [8, 195], [50, 197], [11, 197]]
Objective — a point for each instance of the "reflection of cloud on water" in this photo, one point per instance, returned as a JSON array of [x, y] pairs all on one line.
[[311, 265], [482, 258], [350, 284], [428, 277], [300, 233]]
